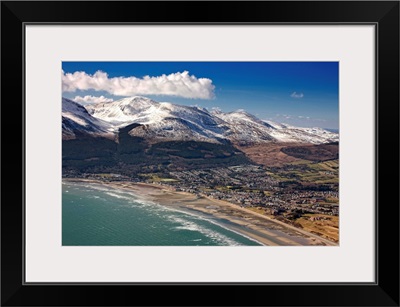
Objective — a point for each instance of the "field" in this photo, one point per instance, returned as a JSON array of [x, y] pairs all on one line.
[[325, 226]]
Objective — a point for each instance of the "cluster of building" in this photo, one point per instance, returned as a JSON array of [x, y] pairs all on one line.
[[244, 185], [251, 186]]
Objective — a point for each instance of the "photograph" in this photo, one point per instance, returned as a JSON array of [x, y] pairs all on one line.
[[248, 147], [200, 153]]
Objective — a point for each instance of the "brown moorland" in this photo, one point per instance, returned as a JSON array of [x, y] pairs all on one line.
[[278, 154]]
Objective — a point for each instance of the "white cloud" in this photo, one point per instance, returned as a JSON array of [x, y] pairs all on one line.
[[180, 84], [297, 95], [91, 99]]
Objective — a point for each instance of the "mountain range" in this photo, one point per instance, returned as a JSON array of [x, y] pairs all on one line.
[[158, 122], [137, 135]]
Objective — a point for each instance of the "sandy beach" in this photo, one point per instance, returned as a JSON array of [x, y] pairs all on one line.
[[261, 228]]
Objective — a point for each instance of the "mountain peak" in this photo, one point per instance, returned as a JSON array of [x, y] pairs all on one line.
[[240, 111], [241, 114], [135, 101], [121, 112]]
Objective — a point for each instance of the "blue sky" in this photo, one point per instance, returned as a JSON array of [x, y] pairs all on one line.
[[299, 93]]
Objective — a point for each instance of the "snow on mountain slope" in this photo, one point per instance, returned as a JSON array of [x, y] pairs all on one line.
[[161, 121], [244, 128], [121, 112], [164, 121], [275, 124], [76, 120], [287, 133]]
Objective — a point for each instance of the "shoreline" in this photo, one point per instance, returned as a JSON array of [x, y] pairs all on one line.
[[245, 222]]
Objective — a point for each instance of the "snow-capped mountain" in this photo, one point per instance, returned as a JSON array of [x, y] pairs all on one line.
[[122, 112], [244, 127], [163, 121], [76, 120], [287, 133]]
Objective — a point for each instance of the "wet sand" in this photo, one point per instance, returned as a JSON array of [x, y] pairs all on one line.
[[261, 228]]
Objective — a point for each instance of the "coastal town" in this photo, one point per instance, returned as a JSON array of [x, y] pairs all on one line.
[[278, 192]]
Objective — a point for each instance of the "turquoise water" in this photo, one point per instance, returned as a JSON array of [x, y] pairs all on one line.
[[99, 216]]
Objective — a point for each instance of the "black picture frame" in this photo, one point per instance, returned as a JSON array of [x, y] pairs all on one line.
[[383, 14]]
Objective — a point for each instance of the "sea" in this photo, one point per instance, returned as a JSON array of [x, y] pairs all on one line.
[[97, 215]]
